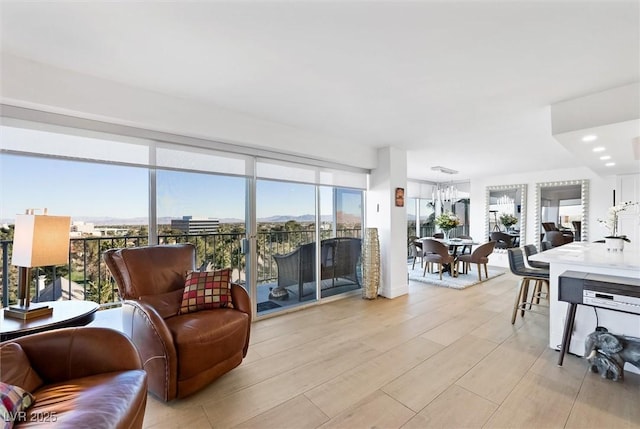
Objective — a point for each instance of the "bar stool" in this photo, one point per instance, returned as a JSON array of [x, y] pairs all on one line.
[[529, 250], [538, 275]]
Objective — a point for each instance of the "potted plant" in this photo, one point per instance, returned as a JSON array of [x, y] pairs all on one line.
[[614, 240], [446, 222], [508, 220]]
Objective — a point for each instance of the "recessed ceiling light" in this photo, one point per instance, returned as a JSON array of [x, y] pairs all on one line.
[[599, 149], [605, 157], [610, 164], [589, 138]]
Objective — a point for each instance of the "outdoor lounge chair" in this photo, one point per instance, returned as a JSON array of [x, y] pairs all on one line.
[[339, 260]]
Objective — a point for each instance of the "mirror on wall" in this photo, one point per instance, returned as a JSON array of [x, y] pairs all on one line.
[[561, 206], [506, 211]]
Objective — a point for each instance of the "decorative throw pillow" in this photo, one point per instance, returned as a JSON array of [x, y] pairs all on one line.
[[206, 290], [13, 401]]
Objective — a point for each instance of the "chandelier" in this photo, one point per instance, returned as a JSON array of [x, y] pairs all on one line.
[[505, 200], [443, 192], [506, 204]]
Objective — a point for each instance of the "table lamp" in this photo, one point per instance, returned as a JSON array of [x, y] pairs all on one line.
[[38, 241]]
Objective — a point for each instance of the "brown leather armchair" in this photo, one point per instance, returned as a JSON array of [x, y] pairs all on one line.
[[182, 353], [81, 378]]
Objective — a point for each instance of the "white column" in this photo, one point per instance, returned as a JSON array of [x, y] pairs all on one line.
[[390, 220]]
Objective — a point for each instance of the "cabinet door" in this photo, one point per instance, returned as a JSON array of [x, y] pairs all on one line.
[[628, 189]]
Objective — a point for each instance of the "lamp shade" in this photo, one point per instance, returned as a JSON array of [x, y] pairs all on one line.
[[41, 240]]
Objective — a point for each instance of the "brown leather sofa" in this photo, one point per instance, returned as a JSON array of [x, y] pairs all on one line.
[[182, 353], [84, 378]]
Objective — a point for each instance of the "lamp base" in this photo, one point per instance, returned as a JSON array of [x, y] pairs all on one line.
[[26, 313]]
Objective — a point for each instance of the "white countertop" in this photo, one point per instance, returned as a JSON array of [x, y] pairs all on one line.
[[591, 255]]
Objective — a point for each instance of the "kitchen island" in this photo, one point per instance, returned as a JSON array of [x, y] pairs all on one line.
[[589, 258]]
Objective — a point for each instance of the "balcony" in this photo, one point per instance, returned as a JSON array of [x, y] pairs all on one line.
[[86, 277]]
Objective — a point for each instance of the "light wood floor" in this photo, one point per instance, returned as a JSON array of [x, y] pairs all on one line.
[[437, 357]]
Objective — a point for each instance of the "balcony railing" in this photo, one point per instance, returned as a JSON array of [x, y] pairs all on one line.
[[86, 276]]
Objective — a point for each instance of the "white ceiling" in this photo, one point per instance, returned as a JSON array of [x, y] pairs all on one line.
[[463, 85]]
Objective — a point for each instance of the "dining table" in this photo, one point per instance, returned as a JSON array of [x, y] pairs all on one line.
[[455, 244]]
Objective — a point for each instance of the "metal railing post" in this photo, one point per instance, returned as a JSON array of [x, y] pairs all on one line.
[[5, 273]]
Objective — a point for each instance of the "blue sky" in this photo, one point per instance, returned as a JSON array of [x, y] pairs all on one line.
[[98, 190], [71, 188], [82, 189]]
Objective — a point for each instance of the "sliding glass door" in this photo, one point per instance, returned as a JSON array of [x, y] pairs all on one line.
[[341, 231], [207, 210], [286, 244]]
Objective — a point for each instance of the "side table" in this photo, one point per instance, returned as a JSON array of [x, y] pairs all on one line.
[[65, 314]]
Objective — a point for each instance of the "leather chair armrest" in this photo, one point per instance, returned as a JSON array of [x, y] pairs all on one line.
[[242, 302], [70, 353], [149, 332]]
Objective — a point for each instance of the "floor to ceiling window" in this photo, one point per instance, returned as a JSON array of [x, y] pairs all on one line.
[[412, 217], [341, 230], [309, 230], [241, 211], [207, 210], [430, 200], [427, 217], [201, 198], [107, 204], [286, 244]]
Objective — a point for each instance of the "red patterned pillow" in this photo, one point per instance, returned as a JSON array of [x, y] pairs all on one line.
[[13, 401], [205, 290]]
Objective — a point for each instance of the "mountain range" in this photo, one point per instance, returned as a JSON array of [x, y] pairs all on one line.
[[109, 221]]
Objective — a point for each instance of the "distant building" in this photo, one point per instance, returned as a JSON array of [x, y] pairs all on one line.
[[83, 229], [192, 225], [80, 228]]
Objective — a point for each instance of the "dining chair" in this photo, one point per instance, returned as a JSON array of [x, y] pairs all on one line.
[[551, 229], [436, 252], [480, 256], [557, 238], [503, 241], [415, 250]]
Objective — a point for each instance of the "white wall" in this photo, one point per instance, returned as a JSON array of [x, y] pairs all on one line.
[[38, 86], [600, 199], [390, 220]]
